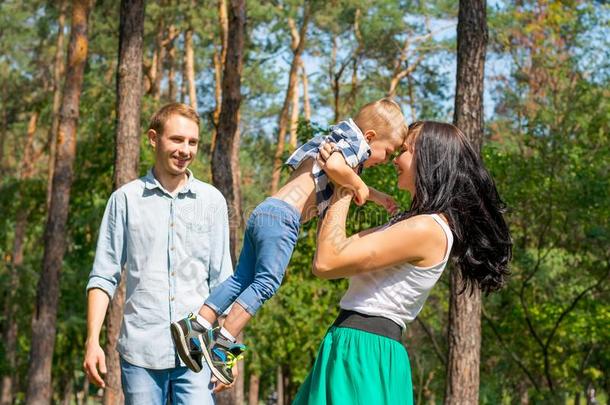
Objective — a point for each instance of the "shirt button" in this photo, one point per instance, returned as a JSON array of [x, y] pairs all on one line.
[[172, 298], [172, 248], [173, 273], [171, 225]]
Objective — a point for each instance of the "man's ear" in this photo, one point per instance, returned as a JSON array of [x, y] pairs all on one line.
[[369, 135], [152, 138]]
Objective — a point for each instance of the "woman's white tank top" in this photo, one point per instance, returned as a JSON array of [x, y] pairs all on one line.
[[398, 292]]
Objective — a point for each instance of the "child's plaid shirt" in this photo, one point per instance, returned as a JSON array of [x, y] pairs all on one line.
[[349, 141]]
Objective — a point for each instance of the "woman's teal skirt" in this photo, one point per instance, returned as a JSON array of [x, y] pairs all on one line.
[[357, 367]]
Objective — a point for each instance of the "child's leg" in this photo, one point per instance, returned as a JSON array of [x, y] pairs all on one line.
[[223, 295], [236, 321], [208, 314], [274, 237]]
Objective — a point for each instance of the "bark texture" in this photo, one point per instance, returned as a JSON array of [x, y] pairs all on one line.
[[224, 160], [297, 45], [127, 156], [253, 389], [220, 58], [462, 385], [225, 165], [306, 104], [58, 72], [39, 389], [189, 56], [11, 308]]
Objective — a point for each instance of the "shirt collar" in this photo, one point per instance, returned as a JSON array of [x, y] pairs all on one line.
[[355, 128], [151, 182]]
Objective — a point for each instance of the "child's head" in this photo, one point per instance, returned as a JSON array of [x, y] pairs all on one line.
[[384, 129]]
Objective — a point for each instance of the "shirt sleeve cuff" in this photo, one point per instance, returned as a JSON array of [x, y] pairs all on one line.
[[103, 284]]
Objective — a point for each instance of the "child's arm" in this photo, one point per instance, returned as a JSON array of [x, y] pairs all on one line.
[[383, 199], [339, 172]]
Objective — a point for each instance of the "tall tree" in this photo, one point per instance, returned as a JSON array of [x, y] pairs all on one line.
[[297, 45], [462, 385], [127, 156], [225, 164], [306, 105], [172, 86], [224, 157], [11, 306], [58, 71], [189, 67], [220, 58], [39, 389]]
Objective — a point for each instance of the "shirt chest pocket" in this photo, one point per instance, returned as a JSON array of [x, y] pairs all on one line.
[[198, 240]]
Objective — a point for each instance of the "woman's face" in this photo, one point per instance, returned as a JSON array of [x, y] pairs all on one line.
[[405, 168]]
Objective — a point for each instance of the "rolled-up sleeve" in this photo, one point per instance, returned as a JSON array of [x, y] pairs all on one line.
[[221, 267], [110, 254]]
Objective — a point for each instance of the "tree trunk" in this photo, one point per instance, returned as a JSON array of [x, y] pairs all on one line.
[[58, 71], [411, 92], [158, 58], [279, 386], [294, 115], [225, 163], [298, 45], [171, 61], [253, 389], [39, 389], [68, 392], [306, 105], [220, 59], [127, 156], [10, 306], [3, 138], [189, 62], [462, 385], [224, 158], [351, 99], [335, 80]]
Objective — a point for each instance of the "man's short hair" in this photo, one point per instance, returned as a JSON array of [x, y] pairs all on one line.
[[158, 120]]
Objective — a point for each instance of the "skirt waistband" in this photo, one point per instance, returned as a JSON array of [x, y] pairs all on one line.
[[369, 323]]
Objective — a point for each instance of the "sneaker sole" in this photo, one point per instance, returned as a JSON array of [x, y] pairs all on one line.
[[181, 344], [215, 372]]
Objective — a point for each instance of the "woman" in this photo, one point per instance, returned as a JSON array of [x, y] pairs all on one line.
[[455, 212]]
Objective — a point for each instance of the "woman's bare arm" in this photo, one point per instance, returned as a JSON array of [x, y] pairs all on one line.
[[418, 240]]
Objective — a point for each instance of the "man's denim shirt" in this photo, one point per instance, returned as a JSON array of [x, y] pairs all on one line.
[[174, 250]]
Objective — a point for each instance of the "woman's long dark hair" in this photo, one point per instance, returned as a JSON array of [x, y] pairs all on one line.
[[451, 179]]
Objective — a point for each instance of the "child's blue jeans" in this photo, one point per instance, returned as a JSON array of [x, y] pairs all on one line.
[[271, 234]]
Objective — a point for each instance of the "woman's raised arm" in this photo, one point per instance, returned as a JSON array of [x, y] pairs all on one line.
[[418, 240]]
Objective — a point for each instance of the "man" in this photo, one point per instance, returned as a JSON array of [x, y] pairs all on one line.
[[169, 232]]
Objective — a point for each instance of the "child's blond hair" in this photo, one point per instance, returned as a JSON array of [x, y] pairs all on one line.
[[385, 117]]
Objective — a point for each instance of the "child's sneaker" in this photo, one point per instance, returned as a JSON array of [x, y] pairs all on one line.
[[186, 336], [221, 355]]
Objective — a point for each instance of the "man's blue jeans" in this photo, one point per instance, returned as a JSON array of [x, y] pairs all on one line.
[[271, 234], [176, 386]]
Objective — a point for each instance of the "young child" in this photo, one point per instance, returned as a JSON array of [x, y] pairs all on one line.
[[375, 133]]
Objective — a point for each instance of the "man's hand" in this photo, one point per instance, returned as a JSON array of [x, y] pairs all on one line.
[[94, 358], [218, 386], [385, 200]]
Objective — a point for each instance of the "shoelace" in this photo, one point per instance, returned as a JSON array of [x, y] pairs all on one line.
[[232, 359]]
